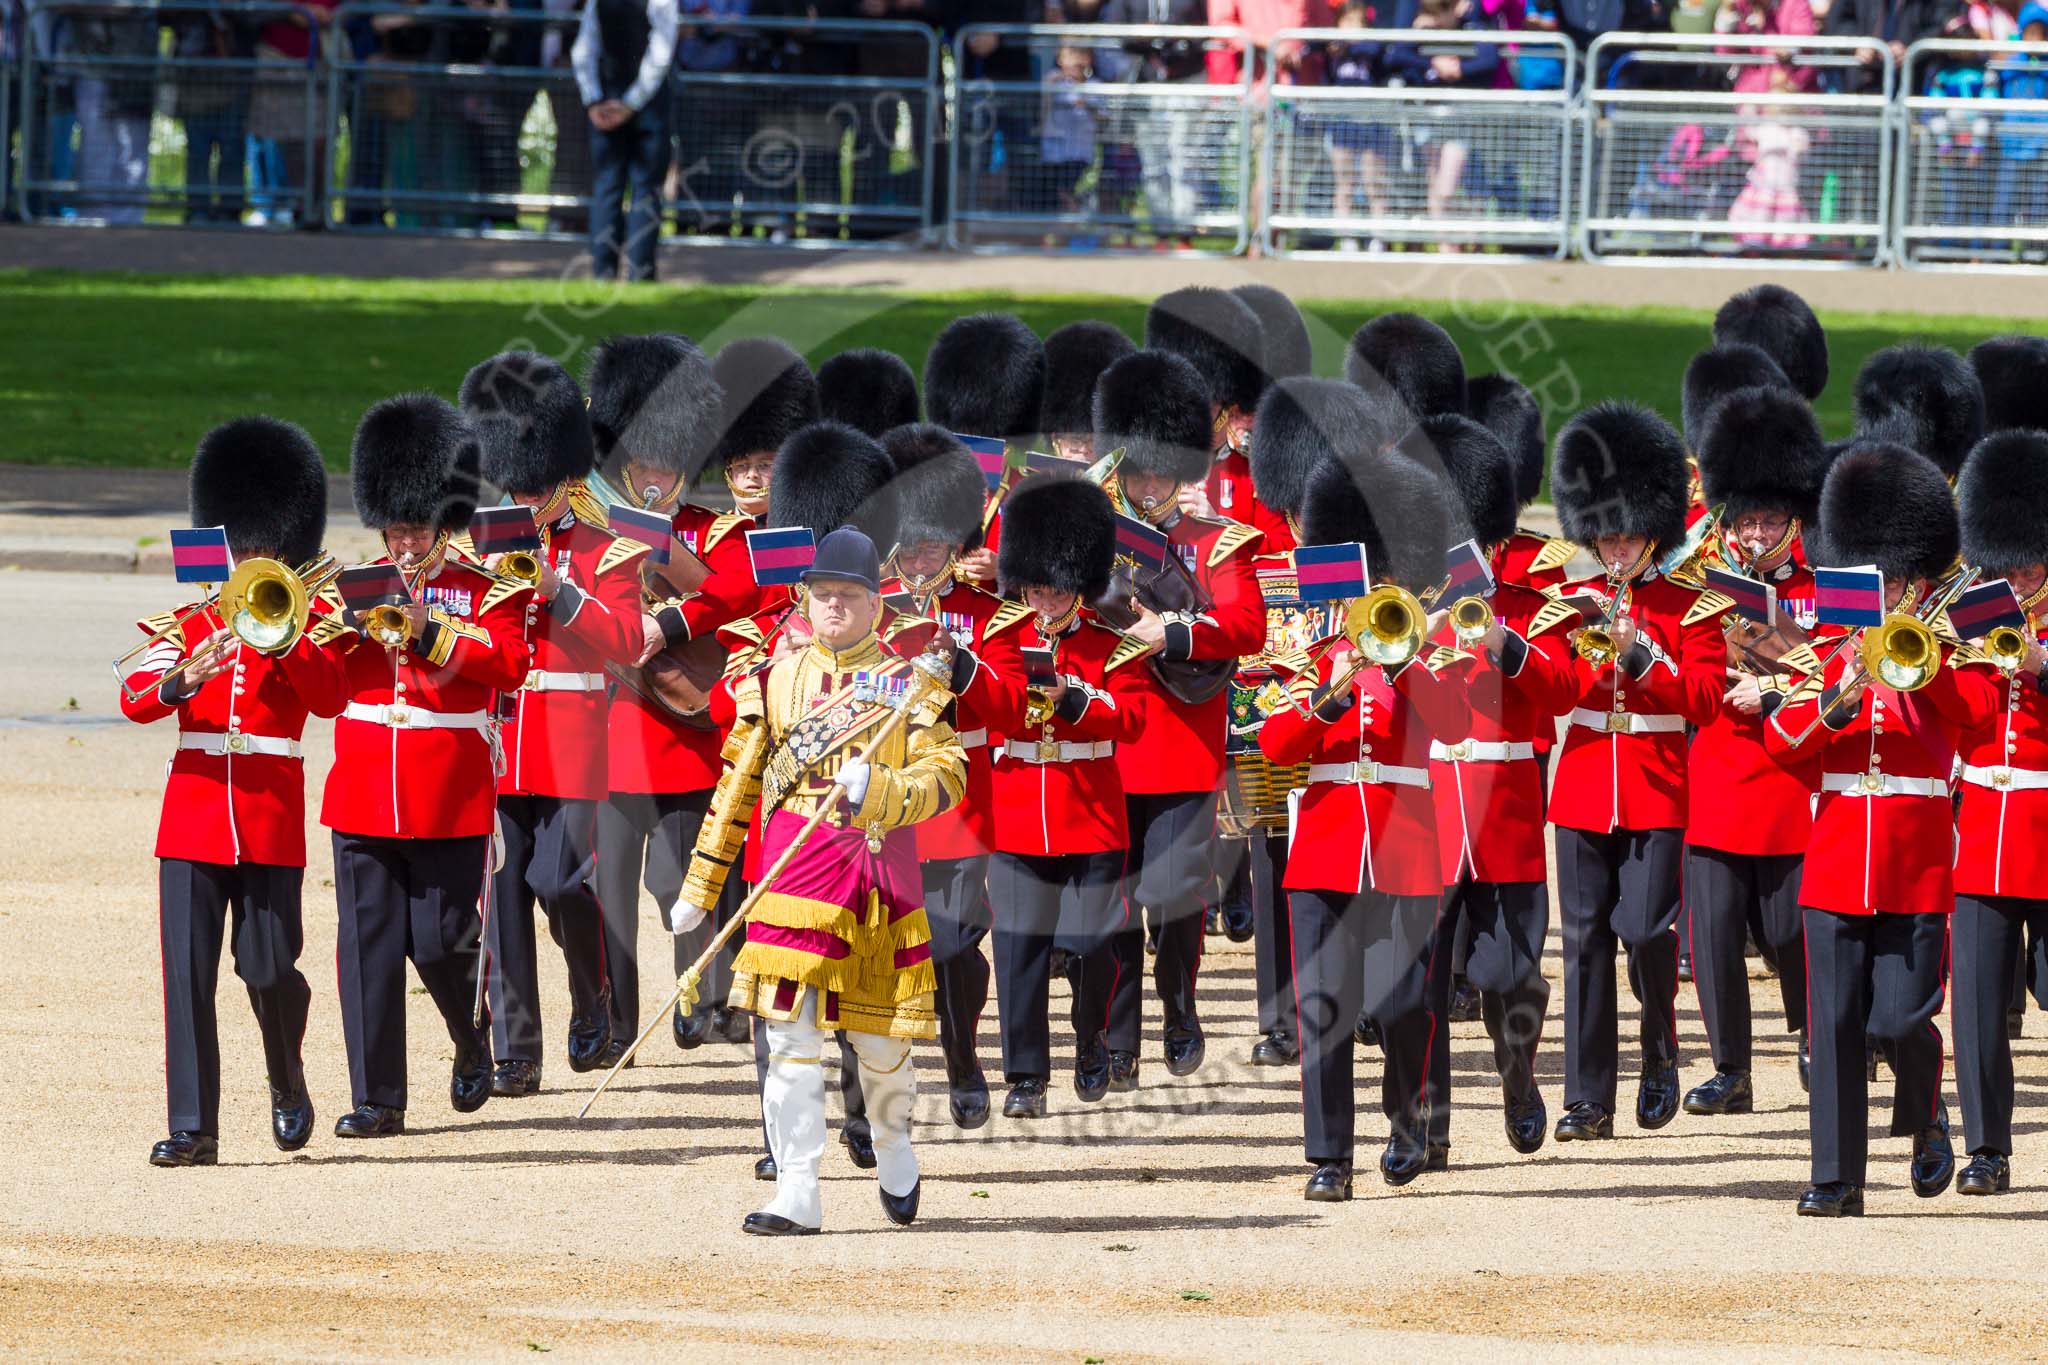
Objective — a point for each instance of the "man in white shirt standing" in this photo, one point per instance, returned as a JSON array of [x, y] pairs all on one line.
[[621, 58]]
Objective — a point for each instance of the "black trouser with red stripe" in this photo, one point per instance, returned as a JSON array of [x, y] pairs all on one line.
[[1364, 952], [1504, 923], [1169, 872], [550, 855], [1875, 976], [1616, 890], [1068, 900], [956, 908], [1732, 896], [255, 906], [1272, 948], [1989, 942], [645, 838]]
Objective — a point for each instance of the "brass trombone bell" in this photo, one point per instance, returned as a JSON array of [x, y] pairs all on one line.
[[1386, 625], [1902, 653]]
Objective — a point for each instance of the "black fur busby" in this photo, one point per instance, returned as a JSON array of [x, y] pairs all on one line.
[[985, 376], [939, 490], [1619, 469], [1763, 450], [262, 479], [653, 401], [827, 475], [1283, 334], [769, 393], [1923, 397], [415, 461], [868, 390], [1219, 334], [1414, 357], [1059, 531], [1779, 323], [1715, 373], [2013, 371], [2002, 499], [1397, 507], [1887, 505], [1476, 466], [1302, 422], [1507, 409], [1075, 357], [1154, 405], [531, 421]]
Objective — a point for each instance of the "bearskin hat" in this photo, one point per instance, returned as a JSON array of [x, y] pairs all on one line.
[[262, 479], [1507, 409], [1414, 357], [769, 393], [1153, 405], [1715, 373], [1283, 334], [1619, 469], [827, 475], [2002, 499], [1394, 505], [1887, 505], [531, 421], [653, 401], [985, 376], [1476, 467], [868, 390], [1219, 334], [415, 461], [1763, 449], [1059, 531], [1924, 397], [939, 490], [1779, 323], [1075, 357], [2013, 371], [1301, 422]]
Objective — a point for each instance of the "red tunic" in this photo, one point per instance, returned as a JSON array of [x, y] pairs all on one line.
[[1515, 560], [236, 806], [2000, 850], [1076, 804], [401, 782], [1232, 497]]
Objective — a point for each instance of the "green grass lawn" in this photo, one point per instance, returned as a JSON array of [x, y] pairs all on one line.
[[123, 370]]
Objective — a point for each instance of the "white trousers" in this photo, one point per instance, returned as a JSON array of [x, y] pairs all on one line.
[[793, 1106]]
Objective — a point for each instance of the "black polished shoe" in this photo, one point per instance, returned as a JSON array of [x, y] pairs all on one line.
[[370, 1121], [186, 1149], [1367, 1032], [1212, 922], [1465, 1006], [587, 1038], [1657, 1095], [469, 1080], [515, 1080], [1685, 966], [1331, 1183], [1832, 1200], [291, 1119], [1436, 1157], [1123, 1071], [1026, 1099], [859, 1142], [1403, 1160], [968, 1102], [764, 1169], [1277, 1048], [1724, 1092], [2015, 1024], [1934, 1157], [734, 1026], [1058, 962], [774, 1225], [608, 1056], [1805, 1066], [1987, 1173], [901, 1208], [1871, 1056], [1184, 1049], [1091, 1071], [1238, 924], [1584, 1122], [1152, 940], [1527, 1122], [690, 1029]]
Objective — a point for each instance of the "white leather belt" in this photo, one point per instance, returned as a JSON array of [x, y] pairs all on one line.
[[1882, 784], [1058, 750], [239, 744], [972, 739], [400, 716], [541, 680], [1356, 774], [2005, 779], [1481, 751], [1626, 722]]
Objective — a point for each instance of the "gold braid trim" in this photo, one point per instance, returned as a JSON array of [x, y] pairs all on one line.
[[1007, 615], [722, 525], [1234, 538]]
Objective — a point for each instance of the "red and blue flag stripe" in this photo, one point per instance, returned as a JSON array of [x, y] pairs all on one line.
[[501, 530], [1325, 573], [782, 555], [1753, 598], [1984, 608], [1848, 597], [651, 529], [200, 554]]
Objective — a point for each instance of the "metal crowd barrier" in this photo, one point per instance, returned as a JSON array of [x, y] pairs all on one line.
[[1797, 172], [1100, 137], [1973, 155], [114, 130], [1481, 156]]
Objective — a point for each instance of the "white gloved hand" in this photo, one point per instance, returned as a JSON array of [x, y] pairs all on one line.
[[683, 917], [853, 776]]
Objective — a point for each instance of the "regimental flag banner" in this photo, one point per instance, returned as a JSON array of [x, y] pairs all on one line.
[[501, 530], [1143, 545], [1848, 597], [1470, 575], [372, 585], [1984, 608], [1327, 573], [992, 453], [781, 556], [651, 529], [1039, 669], [200, 554], [1754, 599]]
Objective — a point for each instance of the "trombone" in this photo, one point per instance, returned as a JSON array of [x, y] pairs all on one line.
[[264, 604], [1902, 652], [1385, 627]]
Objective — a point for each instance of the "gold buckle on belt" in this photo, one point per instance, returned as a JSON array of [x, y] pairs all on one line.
[[2001, 777], [398, 713], [1461, 751], [1872, 782], [1048, 751], [1365, 772], [1620, 723], [237, 743]]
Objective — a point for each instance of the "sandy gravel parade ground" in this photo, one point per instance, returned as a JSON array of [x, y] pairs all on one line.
[[1167, 1224]]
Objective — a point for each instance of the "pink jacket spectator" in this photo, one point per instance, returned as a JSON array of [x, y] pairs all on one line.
[[1262, 19], [1764, 18]]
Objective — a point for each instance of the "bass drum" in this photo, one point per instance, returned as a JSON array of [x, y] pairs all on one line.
[[1254, 798]]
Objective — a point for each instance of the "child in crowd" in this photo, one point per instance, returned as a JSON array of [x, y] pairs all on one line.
[[1357, 143]]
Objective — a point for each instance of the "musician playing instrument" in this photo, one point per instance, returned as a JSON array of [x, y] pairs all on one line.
[[985, 375], [231, 842]]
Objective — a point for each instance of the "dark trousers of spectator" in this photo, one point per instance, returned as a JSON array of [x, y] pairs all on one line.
[[1616, 891], [548, 855], [1067, 901], [1504, 924], [644, 839], [1170, 873], [213, 194], [255, 908], [1363, 953], [399, 899], [570, 176], [633, 155], [1877, 977], [956, 908], [1989, 937], [710, 134], [1732, 897]]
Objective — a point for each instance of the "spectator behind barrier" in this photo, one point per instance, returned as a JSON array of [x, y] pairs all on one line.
[[1170, 157], [1897, 23], [2021, 192], [1449, 145], [1767, 18], [213, 104], [621, 56]]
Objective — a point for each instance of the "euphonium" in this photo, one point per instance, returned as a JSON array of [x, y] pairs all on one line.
[[1471, 619], [1902, 653], [2007, 646]]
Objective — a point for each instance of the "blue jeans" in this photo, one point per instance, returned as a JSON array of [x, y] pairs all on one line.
[[633, 155]]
